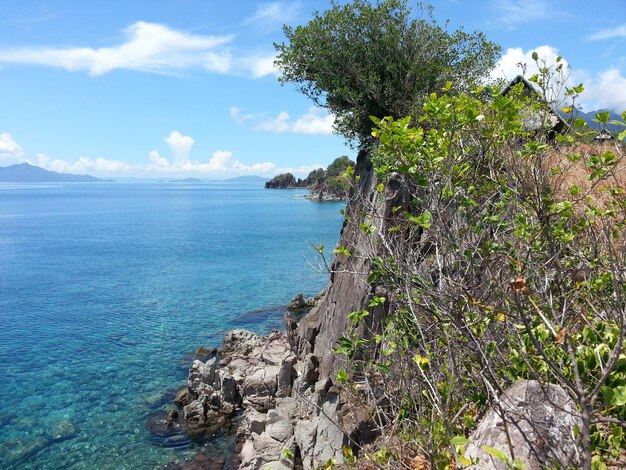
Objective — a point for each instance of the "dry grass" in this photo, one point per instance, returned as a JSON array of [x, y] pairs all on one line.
[[572, 172]]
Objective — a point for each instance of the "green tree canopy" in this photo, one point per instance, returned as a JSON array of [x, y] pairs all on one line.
[[339, 166], [360, 60]]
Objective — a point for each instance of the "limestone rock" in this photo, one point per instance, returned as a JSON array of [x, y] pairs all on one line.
[[541, 421]]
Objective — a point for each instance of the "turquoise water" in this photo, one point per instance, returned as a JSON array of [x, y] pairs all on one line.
[[106, 290]]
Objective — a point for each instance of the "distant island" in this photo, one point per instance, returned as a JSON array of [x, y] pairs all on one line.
[[330, 184], [27, 173], [247, 179]]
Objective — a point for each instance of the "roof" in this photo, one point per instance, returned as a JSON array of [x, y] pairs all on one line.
[[559, 125]]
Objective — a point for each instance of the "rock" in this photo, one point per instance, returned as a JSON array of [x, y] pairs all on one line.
[[305, 435], [259, 452], [286, 374], [310, 372], [541, 421], [229, 388], [202, 376], [196, 410], [358, 424], [62, 430], [259, 388], [171, 417], [255, 422], [279, 425], [183, 398], [239, 342], [297, 303]]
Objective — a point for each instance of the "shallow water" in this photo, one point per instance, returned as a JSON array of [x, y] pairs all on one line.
[[106, 289]]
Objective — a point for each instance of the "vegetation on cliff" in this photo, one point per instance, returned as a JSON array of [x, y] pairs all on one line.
[[503, 258], [329, 184], [495, 248]]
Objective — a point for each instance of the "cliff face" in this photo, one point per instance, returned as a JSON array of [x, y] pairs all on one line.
[[348, 289], [296, 414]]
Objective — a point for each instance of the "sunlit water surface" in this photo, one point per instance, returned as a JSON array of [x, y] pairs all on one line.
[[107, 289]]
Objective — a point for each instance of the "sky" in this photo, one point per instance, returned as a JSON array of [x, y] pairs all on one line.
[[150, 89]]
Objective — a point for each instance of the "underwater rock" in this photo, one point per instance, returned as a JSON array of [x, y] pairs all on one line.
[[63, 430]]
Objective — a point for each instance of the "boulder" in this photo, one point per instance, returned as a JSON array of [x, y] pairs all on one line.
[[297, 303], [259, 388], [201, 376], [239, 342], [539, 419]]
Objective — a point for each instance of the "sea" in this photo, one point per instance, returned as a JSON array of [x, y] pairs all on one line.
[[107, 290]]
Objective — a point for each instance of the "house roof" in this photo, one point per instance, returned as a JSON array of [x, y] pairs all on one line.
[[559, 124]]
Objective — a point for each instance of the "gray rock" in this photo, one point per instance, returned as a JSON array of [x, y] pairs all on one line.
[[239, 342], [202, 376], [183, 398], [279, 425], [229, 388], [254, 422], [541, 422], [259, 451], [259, 388], [286, 374], [297, 303], [305, 435]]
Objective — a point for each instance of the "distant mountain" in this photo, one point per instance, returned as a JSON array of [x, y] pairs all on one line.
[[591, 115], [183, 180], [27, 173], [247, 179]]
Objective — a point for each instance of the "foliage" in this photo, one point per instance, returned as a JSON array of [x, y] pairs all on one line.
[[339, 166], [362, 59], [501, 264]]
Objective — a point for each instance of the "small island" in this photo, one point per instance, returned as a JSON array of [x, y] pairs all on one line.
[[330, 184]]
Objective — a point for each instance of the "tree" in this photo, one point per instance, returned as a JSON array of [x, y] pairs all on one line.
[[360, 60]]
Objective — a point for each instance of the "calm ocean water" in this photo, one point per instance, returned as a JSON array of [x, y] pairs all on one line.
[[107, 289]]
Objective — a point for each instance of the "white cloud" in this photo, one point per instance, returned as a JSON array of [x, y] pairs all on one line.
[[260, 66], [514, 12], [84, 165], [605, 89], [313, 122], [508, 67], [270, 15], [609, 33], [149, 47], [237, 116], [180, 145], [9, 148]]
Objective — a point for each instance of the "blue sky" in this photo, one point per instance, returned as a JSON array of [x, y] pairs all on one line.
[[187, 88]]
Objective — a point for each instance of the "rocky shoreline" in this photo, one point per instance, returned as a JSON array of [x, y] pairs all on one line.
[[284, 413]]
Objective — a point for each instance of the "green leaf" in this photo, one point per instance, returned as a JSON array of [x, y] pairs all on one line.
[[422, 220], [622, 135], [340, 250], [619, 395], [580, 122], [459, 441], [535, 56], [497, 453], [603, 117], [342, 375]]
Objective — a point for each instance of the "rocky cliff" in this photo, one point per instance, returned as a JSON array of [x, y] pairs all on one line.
[[296, 414]]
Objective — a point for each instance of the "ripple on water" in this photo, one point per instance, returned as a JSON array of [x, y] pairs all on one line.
[[100, 302]]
